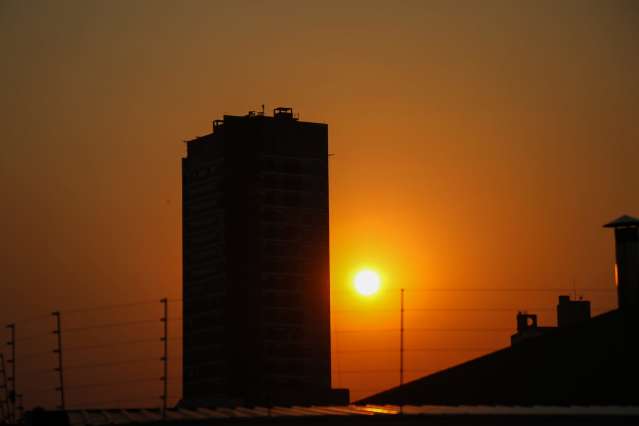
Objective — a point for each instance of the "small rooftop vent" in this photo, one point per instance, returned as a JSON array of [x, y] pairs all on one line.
[[283, 112]]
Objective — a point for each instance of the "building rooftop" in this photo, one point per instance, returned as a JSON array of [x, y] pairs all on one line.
[[623, 221], [589, 363]]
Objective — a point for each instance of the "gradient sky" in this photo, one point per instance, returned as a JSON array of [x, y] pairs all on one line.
[[477, 145]]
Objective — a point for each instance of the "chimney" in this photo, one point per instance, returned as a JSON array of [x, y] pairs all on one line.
[[627, 261], [526, 322], [571, 312]]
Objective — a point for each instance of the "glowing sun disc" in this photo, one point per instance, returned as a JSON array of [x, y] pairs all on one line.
[[367, 282]]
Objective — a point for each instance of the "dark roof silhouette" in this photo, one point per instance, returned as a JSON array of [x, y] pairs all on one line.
[[624, 220], [591, 363]]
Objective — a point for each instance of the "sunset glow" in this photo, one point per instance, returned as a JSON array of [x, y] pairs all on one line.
[[474, 151]]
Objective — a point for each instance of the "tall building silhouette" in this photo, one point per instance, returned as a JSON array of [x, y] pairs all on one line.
[[627, 261], [256, 263]]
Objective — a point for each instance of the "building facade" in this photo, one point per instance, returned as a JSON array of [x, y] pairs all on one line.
[[256, 263]]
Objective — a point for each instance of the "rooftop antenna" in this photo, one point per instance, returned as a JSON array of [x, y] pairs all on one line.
[[165, 357]]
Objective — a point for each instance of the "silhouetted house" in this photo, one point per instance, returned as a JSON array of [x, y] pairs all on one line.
[[584, 361], [256, 263]]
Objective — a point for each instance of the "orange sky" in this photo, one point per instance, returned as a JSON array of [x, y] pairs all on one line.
[[477, 145]]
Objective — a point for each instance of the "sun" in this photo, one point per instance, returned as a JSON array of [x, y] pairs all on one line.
[[367, 282]]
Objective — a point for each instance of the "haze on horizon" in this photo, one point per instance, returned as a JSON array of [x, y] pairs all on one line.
[[477, 145]]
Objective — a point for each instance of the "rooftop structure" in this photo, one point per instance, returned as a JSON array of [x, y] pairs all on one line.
[[627, 260]]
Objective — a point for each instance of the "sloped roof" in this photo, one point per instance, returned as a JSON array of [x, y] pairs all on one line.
[[591, 363]]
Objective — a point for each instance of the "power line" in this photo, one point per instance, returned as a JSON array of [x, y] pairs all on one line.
[[446, 310], [31, 391], [109, 307], [89, 404], [443, 349], [494, 290], [109, 384], [109, 345], [110, 325], [376, 371], [391, 330], [108, 364], [35, 318], [38, 371], [465, 330], [31, 355], [33, 337]]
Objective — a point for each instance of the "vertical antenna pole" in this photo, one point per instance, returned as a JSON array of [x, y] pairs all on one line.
[[4, 403], [20, 406], [12, 379], [165, 357], [59, 369], [401, 339]]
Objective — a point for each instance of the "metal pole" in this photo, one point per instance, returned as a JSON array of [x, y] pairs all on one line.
[[59, 369], [12, 379], [165, 357], [401, 339], [4, 403], [20, 406]]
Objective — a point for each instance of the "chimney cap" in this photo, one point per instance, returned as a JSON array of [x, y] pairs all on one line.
[[623, 221]]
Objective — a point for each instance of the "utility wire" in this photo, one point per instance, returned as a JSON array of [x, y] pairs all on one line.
[[416, 350], [109, 345], [109, 364], [35, 318], [90, 404], [31, 391], [375, 371], [34, 336], [40, 371], [448, 310], [492, 290], [470, 330], [119, 383], [110, 325], [109, 307], [35, 355]]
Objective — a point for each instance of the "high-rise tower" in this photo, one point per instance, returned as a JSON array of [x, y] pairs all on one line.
[[627, 261], [256, 263]]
